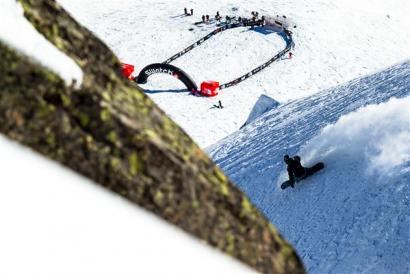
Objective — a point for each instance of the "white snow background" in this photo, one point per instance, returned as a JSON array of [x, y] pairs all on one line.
[[345, 101], [17, 32], [53, 220]]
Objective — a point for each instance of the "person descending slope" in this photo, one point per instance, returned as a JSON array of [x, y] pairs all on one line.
[[297, 172], [295, 169]]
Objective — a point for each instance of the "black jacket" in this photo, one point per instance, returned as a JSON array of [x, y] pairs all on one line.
[[295, 169]]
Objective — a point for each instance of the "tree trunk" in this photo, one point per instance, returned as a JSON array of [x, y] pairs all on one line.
[[111, 132]]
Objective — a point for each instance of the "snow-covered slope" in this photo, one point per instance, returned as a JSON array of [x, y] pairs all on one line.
[[352, 217], [335, 42]]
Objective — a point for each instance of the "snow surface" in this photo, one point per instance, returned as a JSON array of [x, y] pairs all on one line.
[[336, 41], [17, 32], [55, 221], [353, 216]]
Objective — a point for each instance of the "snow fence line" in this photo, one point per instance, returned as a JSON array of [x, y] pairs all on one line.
[[187, 80]]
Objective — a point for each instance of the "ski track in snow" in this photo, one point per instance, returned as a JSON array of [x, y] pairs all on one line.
[[335, 43], [352, 217]]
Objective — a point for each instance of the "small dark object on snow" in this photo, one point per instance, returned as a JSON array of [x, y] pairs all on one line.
[[185, 11], [287, 32], [297, 172], [207, 18], [203, 18], [217, 16], [220, 106], [192, 12]]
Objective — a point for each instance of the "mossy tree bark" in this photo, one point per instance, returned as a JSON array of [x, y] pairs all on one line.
[[112, 132]]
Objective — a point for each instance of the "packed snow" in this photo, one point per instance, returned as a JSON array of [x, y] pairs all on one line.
[[353, 216], [18, 33], [336, 42], [55, 221]]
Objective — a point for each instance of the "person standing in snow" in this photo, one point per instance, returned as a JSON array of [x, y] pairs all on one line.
[[218, 16], [290, 55]]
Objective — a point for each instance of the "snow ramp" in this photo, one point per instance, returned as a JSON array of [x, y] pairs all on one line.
[[352, 217]]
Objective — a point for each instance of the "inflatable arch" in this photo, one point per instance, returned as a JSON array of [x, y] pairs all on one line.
[[211, 88], [167, 69]]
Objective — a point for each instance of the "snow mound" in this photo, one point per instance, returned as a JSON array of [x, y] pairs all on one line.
[[263, 105]]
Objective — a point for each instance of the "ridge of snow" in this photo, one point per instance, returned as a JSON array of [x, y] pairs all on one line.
[[17, 32], [263, 105], [351, 217]]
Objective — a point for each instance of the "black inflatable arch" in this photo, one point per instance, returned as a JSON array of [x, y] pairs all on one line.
[[167, 69]]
